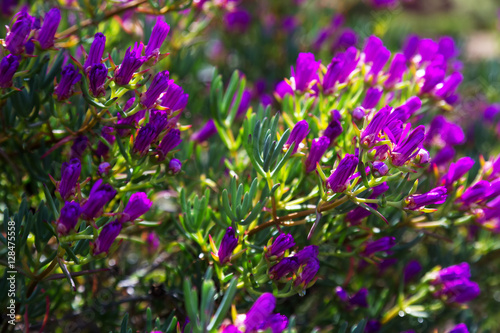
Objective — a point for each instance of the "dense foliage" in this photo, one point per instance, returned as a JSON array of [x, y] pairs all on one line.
[[244, 166]]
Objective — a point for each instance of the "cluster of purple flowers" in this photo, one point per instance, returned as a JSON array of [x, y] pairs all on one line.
[[454, 286], [301, 267], [92, 207], [22, 35], [259, 318]]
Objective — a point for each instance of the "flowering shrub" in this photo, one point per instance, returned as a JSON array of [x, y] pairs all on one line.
[[145, 190]]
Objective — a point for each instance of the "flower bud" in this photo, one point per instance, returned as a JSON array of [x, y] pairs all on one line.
[[410, 46], [205, 132], [372, 98], [373, 44], [171, 140], [433, 197], [69, 77], [318, 148], [450, 85], [379, 245], [8, 67], [396, 71], [227, 246], [174, 166], [174, 98], [332, 75], [282, 243], [339, 179], [18, 34], [358, 113], [283, 268], [298, 134], [156, 88], [404, 151], [379, 169], [99, 196], [97, 77], [49, 28], [69, 217], [70, 172], [309, 251], [158, 36], [411, 270], [307, 273], [96, 51], [432, 77], [132, 61], [107, 236], [147, 134], [137, 205], [305, 71], [259, 312]]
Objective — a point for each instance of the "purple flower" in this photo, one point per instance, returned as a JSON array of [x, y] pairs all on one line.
[[410, 46], [107, 236], [359, 213], [69, 77], [282, 243], [405, 149], [96, 51], [283, 268], [379, 169], [49, 28], [379, 245], [383, 3], [372, 326], [227, 245], [309, 251], [137, 205], [460, 290], [8, 67], [171, 140], [318, 148], [104, 169], [131, 63], [342, 294], [411, 270], [307, 273], [205, 132], [99, 196], [450, 85], [433, 197], [69, 217], [347, 38], [156, 88], [370, 133], [396, 71], [443, 156], [359, 298], [147, 134], [457, 170], [153, 242], [358, 113], [490, 112], [460, 328], [158, 36], [97, 77], [475, 193], [427, 48], [107, 134], [305, 71], [334, 128], [379, 61], [349, 62], [282, 89], [70, 172], [244, 102], [447, 48], [276, 322], [372, 98], [238, 20], [339, 179], [259, 312], [432, 76], [18, 34], [79, 145], [174, 98], [174, 166], [379, 153], [332, 75], [373, 44], [298, 134], [460, 271]]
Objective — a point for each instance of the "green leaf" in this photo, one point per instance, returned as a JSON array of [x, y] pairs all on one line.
[[224, 306]]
